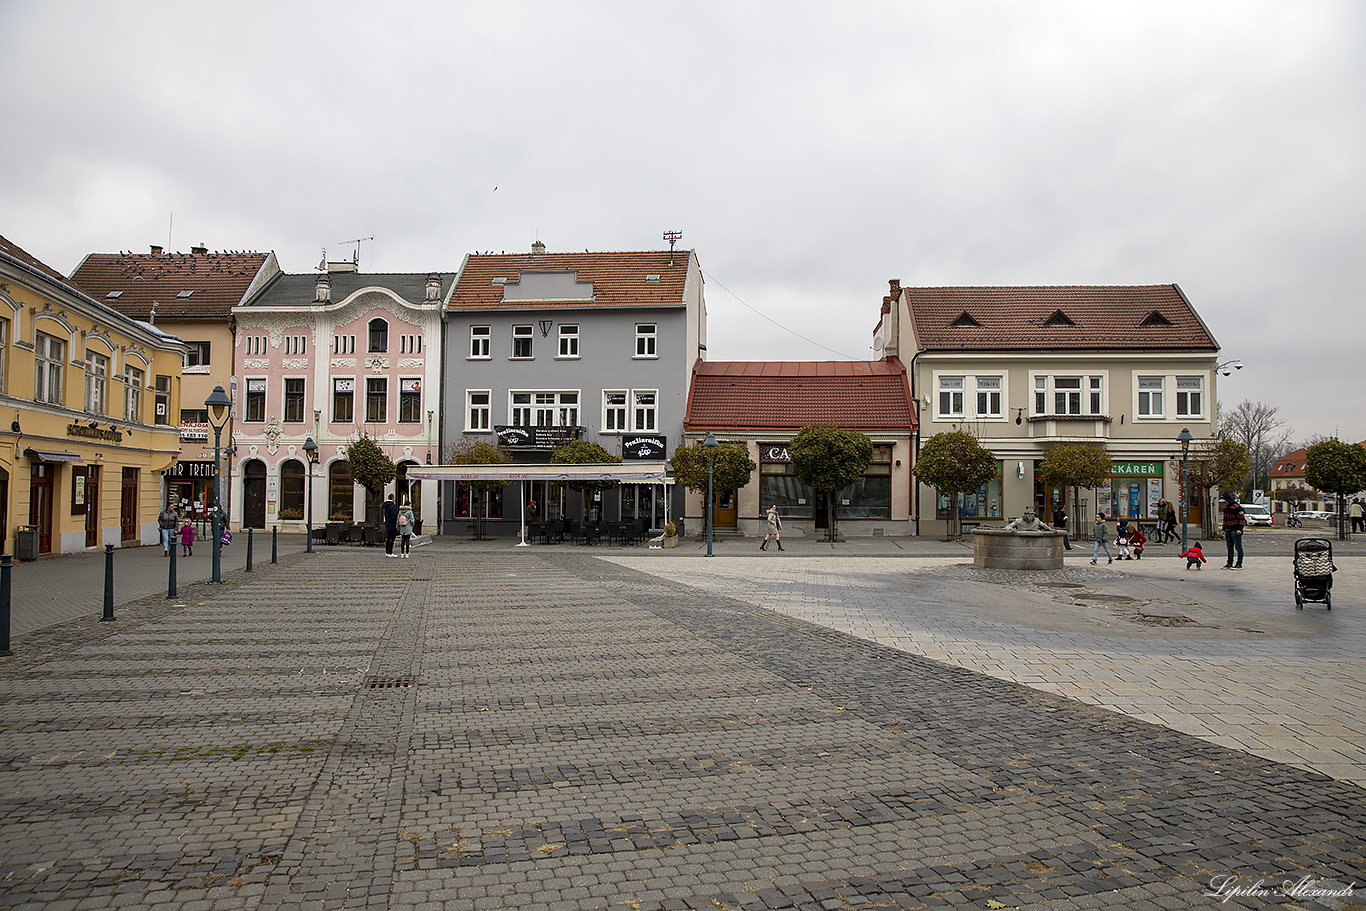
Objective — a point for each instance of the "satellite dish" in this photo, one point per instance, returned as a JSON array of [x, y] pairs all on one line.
[[877, 343]]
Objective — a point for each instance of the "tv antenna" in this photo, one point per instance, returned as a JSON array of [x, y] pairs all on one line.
[[672, 237], [355, 259]]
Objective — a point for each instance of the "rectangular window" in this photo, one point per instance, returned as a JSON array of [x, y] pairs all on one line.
[[49, 352], [343, 344], [521, 341], [646, 338], [477, 410], [569, 340], [988, 396], [256, 401], [4, 351], [198, 355], [1096, 402], [521, 409], [376, 399], [163, 400], [950, 397], [545, 409], [569, 409], [294, 344], [96, 383], [132, 395], [1190, 396], [479, 342], [1067, 395], [1041, 395], [410, 401], [294, 400], [343, 399], [646, 404], [1150, 397], [614, 411]]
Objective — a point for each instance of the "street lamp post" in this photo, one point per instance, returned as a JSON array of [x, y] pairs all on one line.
[[710, 443], [311, 453], [219, 406], [1185, 440]]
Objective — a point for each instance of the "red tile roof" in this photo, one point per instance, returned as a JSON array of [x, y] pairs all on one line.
[[1122, 317], [619, 279], [790, 395], [218, 282], [1291, 465], [12, 249]]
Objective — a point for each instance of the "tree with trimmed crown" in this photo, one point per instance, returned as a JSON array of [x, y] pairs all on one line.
[[372, 470], [584, 452], [827, 460], [731, 469], [1335, 467], [472, 451], [953, 463], [1079, 466]]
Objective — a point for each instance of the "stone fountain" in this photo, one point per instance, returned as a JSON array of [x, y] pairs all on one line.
[[1025, 543]]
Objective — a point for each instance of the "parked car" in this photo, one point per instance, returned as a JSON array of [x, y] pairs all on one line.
[[1257, 515], [1313, 514]]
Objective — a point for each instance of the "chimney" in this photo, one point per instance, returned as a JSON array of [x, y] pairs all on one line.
[[895, 284], [433, 287], [324, 292], [537, 249], [156, 249], [200, 250]]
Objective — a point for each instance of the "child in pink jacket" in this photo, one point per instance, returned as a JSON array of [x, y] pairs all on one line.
[[187, 540]]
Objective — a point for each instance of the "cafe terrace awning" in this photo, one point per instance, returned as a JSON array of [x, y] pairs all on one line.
[[639, 472], [51, 455]]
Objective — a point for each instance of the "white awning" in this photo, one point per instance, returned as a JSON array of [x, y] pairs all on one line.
[[639, 472]]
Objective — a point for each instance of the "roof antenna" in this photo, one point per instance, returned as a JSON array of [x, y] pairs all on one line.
[[672, 237], [152, 317], [355, 258]]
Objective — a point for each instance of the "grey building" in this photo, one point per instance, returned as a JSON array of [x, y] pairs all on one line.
[[543, 348]]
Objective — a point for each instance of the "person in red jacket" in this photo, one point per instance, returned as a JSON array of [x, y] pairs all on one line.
[[1234, 522], [1194, 556], [1136, 541]]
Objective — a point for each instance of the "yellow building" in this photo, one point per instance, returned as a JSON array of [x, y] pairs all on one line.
[[92, 398]]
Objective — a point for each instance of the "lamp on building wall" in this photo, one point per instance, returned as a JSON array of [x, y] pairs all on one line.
[[1185, 440], [545, 325], [311, 453], [1227, 367], [1019, 469], [219, 407], [710, 443]]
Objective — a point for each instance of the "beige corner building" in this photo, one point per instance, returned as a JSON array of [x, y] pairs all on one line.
[[1028, 368]]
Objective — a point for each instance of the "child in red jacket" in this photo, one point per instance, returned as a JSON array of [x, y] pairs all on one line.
[[187, 540], [1136, 540], [1194, 556]]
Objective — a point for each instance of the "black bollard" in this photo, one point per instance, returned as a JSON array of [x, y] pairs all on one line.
[[274, 544], [170, 575], [5, 563], [249, 531], [108, 582]]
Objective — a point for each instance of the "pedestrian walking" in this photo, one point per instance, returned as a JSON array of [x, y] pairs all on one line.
[[406, 521], [1160, 512], [1171, 521], [1101, 535], [187, 539], [775, 527], [1357, 513], [1060, 523], [390, 526], [169, 523], [1234, 522]]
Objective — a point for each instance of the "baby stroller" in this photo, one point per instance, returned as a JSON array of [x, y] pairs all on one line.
[[1314, 571]]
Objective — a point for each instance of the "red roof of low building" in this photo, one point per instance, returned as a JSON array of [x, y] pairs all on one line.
[[618, 279], [216, 282], [790, 395], [1125, 317], [1291, 465]]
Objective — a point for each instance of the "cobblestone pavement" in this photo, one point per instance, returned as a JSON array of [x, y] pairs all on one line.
[[1220, 654], [553, 730]]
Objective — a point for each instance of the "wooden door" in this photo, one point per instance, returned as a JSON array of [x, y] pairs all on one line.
[[128, 506], [92, 505], [254, 495], [723, 511], [40, 504]]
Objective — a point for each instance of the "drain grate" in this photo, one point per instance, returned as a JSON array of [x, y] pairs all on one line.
[[388, 682]]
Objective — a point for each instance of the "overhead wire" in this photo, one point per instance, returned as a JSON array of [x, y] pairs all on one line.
[[713, 278]]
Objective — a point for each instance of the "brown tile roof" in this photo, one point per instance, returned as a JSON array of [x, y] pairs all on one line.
[[1291, 465], [789, 395], [218, 282], [9, 248], [1063, 317], [618, 279]]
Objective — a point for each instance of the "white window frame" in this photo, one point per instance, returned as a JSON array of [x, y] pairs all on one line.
[[132, 393], [544, 407], [1150, 400], [96, 382], [990, 391], [647, 340], [284, 400], [569, 341], [478, 415], [343, 344], [1041, 394], [644, 410], [249, 392], [526, 335], [406, 396], [480, 339], [1067, 399], [615, 414], [50, 371], [950, 390], [385, 406], [1194, 389], [1095, 394], [4, 351], [333, 403]]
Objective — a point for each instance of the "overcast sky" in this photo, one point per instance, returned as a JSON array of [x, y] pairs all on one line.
[[808, 152]]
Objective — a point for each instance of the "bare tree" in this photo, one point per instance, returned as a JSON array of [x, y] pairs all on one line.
[[1265, 436]]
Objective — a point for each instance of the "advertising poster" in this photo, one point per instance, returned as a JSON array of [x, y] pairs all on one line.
[[1135, 500], [1154, 494], [1103, 501]]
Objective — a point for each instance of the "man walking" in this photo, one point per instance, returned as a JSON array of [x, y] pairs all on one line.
[[1357, 513], [390, 525], [1234, 522]]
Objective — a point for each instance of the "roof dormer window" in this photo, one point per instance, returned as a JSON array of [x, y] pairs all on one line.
[[1058, 318], [1155, 319], [184, 294], [965, 321], [113, 295]]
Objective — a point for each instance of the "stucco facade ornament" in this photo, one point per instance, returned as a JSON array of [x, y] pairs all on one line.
[[410, 363], [272, 434], [256, 363], [346, 362], [376, 363], [295, 363]]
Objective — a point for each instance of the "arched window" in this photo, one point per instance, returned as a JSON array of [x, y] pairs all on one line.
[[379, 335], [341, 496], [292, 489]]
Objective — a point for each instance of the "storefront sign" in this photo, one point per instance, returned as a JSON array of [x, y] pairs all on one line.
[[776, 452], [535, 437], [189, 430], [86, 431], [1136, 469], [190, 470], [644, 447]]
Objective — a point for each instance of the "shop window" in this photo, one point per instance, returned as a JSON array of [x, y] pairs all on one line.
[[340, 493], [469, 502], [778, 484], [982, 503], [292, 489], [410, 401]]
